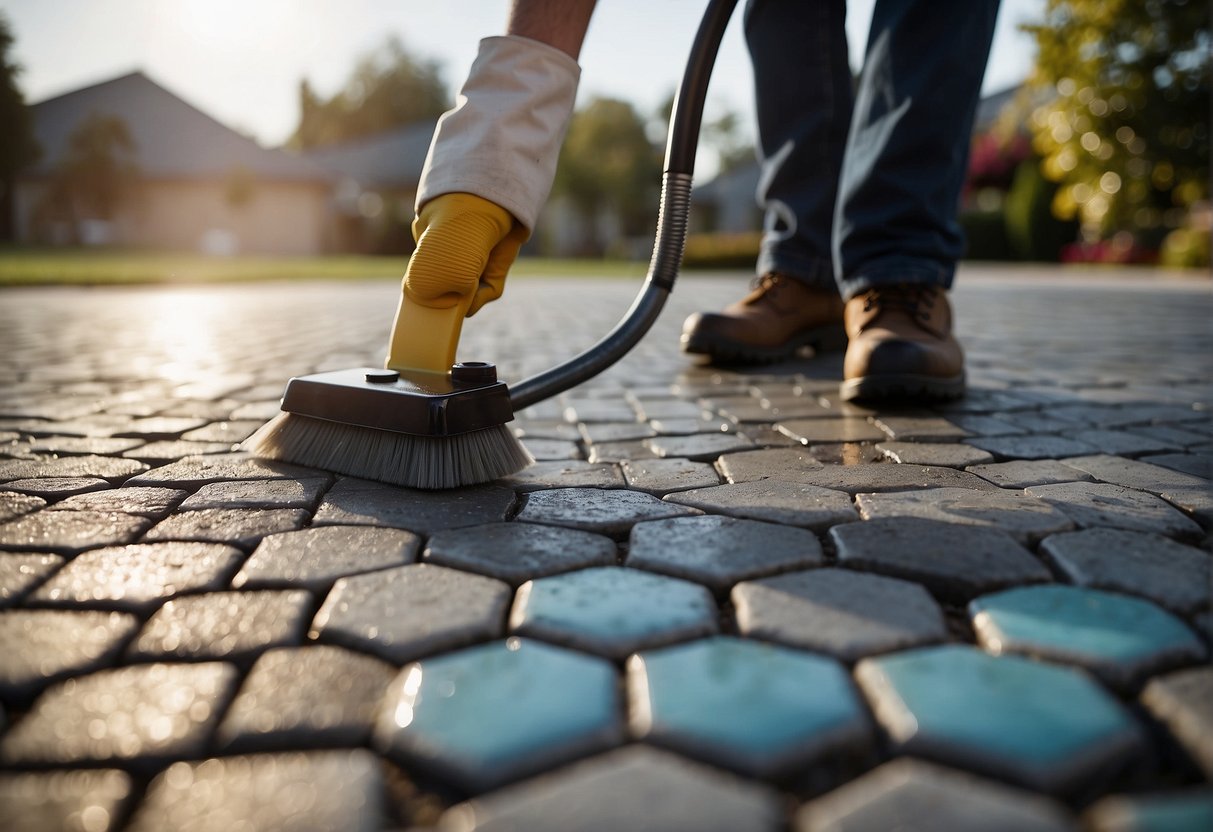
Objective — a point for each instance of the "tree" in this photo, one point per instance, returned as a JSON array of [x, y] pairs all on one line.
[[388, 88], [95, 176], [1126, 133], [18, 147], [609, 165]]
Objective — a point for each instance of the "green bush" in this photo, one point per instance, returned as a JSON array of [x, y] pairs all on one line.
[[1032, 231], [986, 235], [718, 250]]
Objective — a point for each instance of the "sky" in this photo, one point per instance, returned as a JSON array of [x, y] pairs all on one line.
[[241, 60]]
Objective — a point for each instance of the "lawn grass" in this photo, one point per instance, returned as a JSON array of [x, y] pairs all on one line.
[[93, 267]]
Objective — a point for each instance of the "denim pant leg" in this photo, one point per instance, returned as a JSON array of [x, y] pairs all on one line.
[[803, 95], [908, 145]]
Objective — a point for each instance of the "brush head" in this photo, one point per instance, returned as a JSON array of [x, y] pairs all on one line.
[[420, 430]]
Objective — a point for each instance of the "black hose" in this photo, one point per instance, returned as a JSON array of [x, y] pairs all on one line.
[[681, 144]]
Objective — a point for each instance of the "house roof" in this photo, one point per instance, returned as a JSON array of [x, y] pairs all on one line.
[[173, 139], [393, 158]]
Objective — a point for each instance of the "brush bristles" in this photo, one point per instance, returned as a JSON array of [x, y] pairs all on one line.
[[397, 458]]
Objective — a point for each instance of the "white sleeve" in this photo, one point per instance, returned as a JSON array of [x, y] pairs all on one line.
[[502, 140]]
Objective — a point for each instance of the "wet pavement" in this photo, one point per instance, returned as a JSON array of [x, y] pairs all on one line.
[[720, 599]]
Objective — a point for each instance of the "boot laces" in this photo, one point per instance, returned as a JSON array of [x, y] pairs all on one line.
[[916, 301]]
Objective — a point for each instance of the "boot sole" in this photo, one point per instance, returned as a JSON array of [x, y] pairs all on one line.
[[831, 338], [903, 387]]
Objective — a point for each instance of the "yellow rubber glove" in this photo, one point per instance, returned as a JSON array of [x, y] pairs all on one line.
[[465, 247]]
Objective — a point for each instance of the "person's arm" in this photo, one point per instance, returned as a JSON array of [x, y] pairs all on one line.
[[559, 23]]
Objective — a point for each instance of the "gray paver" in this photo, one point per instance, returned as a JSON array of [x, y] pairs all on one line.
[[795, 504], [720, 551], [142, 714], [68, 532], [663, 476], [412, 611], [1138, 563], [613, 611], [1122, 442], [552, 449], [56, 488], [82, 445], [831, 429], [1021, 473], [314, 558], [239, 526], [787, 464], [103, 467], [43, 646], [945, 455], [1181, 701], [137, 577], [518, 552], [699, 446], [144, 502], [838, 612], [610, 512], [980, 425], [301, 493], [193, 472], [14, 505], [365, 503], [320, 790], [230, 431], [954, 561], [1094, 504], [856, 479], [160, 453], [20, 572], [305, 697], [1022, 516], [620, 451], [922, 428], [1193, 494], [89, 801], [664, 791], [912, 794], [1033, 446], [615, 431], [1198, 464], [224, 625], [565, 474]]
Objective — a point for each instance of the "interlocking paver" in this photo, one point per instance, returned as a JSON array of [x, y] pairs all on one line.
[[839, 612], [1022, 473], [1188, 809], [141, 715], [856, 479], [1102, 504], [320, 790], [787, 464], [954, 561], [69, 532], [81, 445], [906, 428], [613, 611], [663, 476], [549, 450], [314, 558], [499, 712], [1198, 464], [1122, 442], [1180, 700], [224, 625], [230, 431], [831, 429], [362, 502], [101, 467], [1176, 576], [945, 455], [14, 505], [411, 611], [1050, 728], [300, 493], [565, 474], [56, 488], [908, 793], [240, 526], [20, 572], [1193, 494], [518, 552], [166, 451], [1032, 446], [980, 425], [720, 551], [610, 512], [785, 709], [1022, 516], [139, 576], [193, 472], [306, 697], [699, 446], [90, 801], [43, 646], [615, 431], [144, 502], [776, 501], [620, 451]]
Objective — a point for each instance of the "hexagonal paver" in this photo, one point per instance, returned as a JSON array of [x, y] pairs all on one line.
[[1122, 640], [784, 708], [306, 697], [1050, 728], [661, 476], [787, 464], [41, 646], [1138, 563], [912, 794], [68, 532], [494, 713], [1180, 700], [145, 502], [411, 611], [1023, 517], [70, 800], [518, 552], [143, 715], [954, 562], [57, 488], [1031, 447], [836, 611], [663, 792], [1191, 493], [1091, 504], [103, 467], [565, 474], [720, 551], [137, 577], [940, 454], [353, 502], [1186, 809], [13, 505], [1021, 473], [20, 572], [319, 790], [315, 558], [238, 526], [196, 471], [613, 611], [775, 501], [609, 512], [224, 625], [300, 493]]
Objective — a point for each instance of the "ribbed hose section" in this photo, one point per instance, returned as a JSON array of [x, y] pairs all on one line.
[[671, 229]]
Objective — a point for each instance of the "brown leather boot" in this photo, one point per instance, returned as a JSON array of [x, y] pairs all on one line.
[[901, 346], [777, 318]]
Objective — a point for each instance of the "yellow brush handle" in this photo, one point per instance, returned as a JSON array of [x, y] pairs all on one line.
[[465, 246]]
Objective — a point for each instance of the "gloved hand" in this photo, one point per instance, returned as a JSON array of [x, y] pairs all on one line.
[[465, 247]]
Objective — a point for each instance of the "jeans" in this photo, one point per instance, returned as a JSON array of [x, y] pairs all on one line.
[[861, 184]]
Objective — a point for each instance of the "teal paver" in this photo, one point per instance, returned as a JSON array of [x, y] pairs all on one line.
[[1188, 810], [1120, 639], [498, 712], [613, 611], [759, 709], [1049, 728]]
